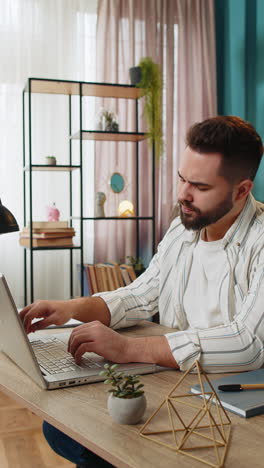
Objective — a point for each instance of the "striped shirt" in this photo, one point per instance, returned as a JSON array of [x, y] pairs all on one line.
[[236, 342]]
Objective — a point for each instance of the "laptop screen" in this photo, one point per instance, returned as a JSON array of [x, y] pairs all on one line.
[[13, 339]]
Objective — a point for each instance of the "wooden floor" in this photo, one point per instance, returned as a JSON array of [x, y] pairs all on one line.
[[22, 444]]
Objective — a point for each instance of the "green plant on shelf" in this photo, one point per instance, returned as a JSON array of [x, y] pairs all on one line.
[[108, 121], [136, 263], [151, 89]]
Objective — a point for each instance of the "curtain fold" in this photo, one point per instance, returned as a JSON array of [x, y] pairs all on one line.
[[240, 65], [179, 36]]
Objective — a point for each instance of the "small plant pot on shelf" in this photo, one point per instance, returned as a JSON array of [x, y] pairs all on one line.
[[126, 410], [51, 160], [135, 75]]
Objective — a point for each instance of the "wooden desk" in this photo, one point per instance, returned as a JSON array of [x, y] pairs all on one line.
[[81, 413]]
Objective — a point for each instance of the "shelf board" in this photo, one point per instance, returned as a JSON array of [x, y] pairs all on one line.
[[119, 218], [46, 167], [98, 135], [108, 90], [52, 248]]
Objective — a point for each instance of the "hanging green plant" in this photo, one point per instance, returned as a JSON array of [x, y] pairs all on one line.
[[151, 89]]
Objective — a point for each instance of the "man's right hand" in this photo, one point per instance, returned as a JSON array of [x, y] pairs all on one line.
[[48, 313]]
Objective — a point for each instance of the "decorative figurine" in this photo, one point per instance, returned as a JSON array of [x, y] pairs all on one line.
[[99, 205], [53, 213], [198, 429]]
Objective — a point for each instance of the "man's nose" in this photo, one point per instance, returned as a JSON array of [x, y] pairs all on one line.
[[185, 192]]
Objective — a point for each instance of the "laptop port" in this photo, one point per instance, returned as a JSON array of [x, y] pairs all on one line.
[[72, 382], [61, 384]]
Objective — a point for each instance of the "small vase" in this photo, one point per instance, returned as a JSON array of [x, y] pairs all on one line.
[[126, 410]]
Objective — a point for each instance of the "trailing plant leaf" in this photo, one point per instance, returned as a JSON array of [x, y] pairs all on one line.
[[151, 89]]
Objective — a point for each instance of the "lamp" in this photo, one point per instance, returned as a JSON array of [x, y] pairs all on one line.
[[7, 220], [126, 209]]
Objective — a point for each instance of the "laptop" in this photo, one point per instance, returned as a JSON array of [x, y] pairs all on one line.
[[45, 358]]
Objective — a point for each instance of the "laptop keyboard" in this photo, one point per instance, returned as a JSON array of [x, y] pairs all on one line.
[[52, 355]]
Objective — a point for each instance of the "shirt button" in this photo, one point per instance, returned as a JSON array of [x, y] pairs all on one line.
[[238, 244]]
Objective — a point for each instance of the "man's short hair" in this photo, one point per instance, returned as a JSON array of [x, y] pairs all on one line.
[[236, 140]]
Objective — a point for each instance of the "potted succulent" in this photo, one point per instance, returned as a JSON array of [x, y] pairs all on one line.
[[107, 121], [127, 402], [150, 83], [51, 160]]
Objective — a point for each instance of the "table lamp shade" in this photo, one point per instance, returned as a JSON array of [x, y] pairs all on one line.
[[7, 220]]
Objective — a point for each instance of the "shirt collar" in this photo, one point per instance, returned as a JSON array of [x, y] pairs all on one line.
[[239, 228]]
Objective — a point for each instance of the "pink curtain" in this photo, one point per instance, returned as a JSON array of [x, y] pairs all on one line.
[[179, 36]]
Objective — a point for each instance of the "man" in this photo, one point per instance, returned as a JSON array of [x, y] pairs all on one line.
[[206, 279]]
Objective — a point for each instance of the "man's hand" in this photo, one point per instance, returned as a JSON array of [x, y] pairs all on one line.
[[85, 309], [98, 338], [49, 313]]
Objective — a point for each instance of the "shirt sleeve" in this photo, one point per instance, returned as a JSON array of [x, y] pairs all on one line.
[[137, 301], [233, 347]]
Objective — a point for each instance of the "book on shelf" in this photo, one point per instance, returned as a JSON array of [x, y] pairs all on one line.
[[100, 277], [245, 403], [49, 224], [113, 269], [91, 272], [110, 277], [84, 280], [125, 274], [47, 233], [57, 242], [130, 271], [118, 273], [101, 268]]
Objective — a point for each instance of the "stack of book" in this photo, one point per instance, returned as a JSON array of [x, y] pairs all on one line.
[[47, 234], [107, 276]]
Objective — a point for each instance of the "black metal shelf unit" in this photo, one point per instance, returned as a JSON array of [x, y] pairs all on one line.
[[80, 89]]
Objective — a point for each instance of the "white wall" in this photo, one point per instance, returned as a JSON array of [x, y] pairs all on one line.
[[47, 39]]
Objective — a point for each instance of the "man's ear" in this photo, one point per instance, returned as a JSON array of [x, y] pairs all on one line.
[[243, 189]]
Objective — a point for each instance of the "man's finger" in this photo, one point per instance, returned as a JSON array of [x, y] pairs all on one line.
[[77, 340], [83, 348], [75, 333], [40, 324], [23, 312]]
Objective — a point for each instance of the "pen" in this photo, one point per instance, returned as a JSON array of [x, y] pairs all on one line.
[[239, 387]]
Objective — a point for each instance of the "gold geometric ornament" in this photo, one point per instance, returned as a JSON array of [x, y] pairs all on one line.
[[196, 427]]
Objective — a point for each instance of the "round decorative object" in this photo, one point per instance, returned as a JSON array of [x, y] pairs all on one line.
[[126, 410], [117, 182], [126, 209]]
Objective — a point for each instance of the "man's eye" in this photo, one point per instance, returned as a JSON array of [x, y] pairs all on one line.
[[202, 189]]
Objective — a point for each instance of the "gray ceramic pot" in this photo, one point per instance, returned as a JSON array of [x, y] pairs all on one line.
[[126, 410], [135, 75]]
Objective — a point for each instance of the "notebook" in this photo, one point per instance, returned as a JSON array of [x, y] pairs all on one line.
[[245, 403], [55, 367]]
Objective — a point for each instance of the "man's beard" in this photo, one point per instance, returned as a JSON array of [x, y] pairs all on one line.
[[198, 220]]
